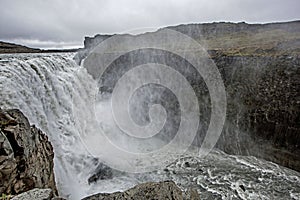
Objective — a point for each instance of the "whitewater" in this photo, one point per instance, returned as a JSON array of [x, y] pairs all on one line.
[[59, 97]]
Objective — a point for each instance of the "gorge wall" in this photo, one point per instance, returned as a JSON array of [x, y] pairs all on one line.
[[260, 67]]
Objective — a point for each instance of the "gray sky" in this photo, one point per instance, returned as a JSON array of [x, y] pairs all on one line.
[[64, 23]]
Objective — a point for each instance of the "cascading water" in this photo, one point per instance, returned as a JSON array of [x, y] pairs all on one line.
[[48, 89], [59, 97]]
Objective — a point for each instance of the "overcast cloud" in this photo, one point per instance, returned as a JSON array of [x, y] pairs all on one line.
[[64, 23]]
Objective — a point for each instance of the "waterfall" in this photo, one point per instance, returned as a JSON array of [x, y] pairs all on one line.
[[57, 96]]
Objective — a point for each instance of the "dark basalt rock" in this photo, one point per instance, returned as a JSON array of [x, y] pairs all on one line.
[[102, 172], [263, 107], [26, 155]]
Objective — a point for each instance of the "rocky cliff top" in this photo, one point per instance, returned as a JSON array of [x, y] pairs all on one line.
[[239, 39], [246, 39]]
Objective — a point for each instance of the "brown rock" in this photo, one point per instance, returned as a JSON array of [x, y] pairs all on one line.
[[35, 194], [151, 190], [26, 155]]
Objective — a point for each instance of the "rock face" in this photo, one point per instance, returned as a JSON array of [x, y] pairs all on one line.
[[260, 67], [263, 107], [35, 194], [26, 155], [151, 190], [102, 172], [89, 44]]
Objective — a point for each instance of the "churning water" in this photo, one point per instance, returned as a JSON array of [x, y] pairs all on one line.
[[58, 96]]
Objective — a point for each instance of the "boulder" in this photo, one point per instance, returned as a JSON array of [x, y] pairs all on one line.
[[150, 190], [102, 172], [35, 194], [26, 155]]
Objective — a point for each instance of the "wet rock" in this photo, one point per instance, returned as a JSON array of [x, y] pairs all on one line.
[[102, 172], [151, 190], [187, 164], [263, 110], [26, 155], [58, 198], [35, 194], [191, 194], [242, 187]]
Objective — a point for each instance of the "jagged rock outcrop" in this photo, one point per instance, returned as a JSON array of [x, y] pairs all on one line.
[[260, 67], [26, 155], [151, 190]]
